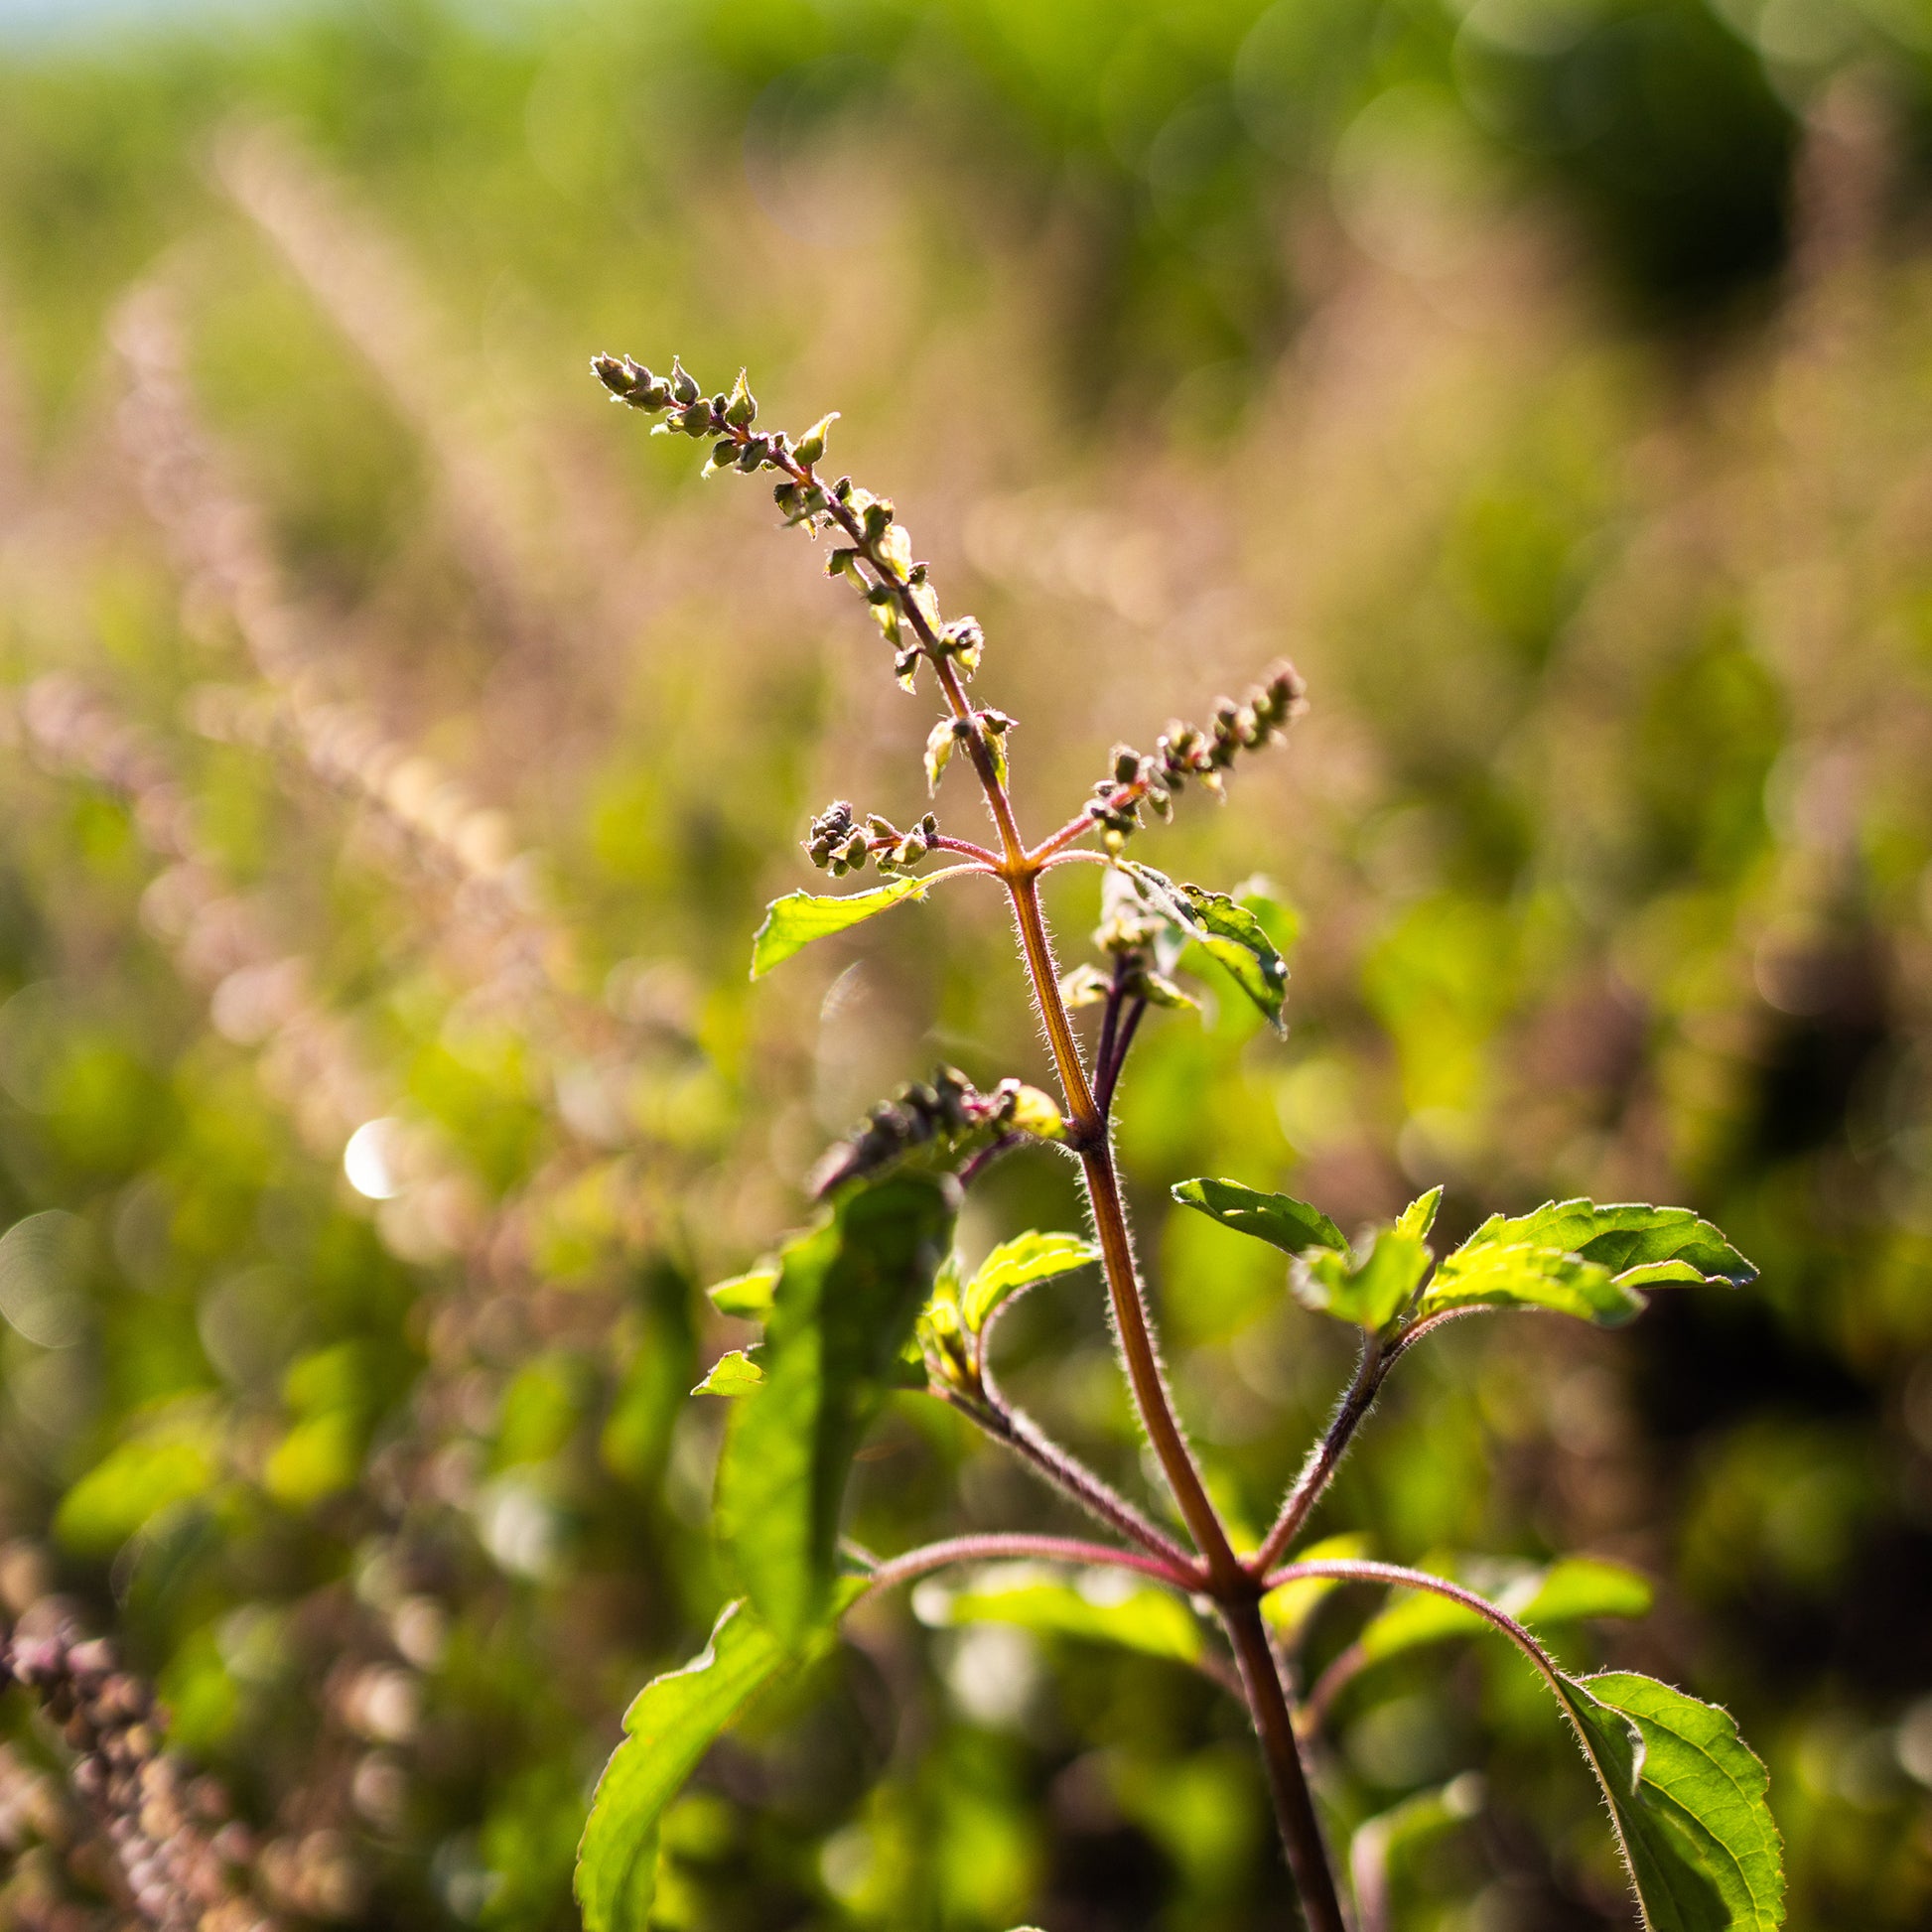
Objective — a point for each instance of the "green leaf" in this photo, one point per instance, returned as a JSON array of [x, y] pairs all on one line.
[[1290, 1224], [1636, 1243], [134, 1484], [1225, 930], [734, 1373], [1522, 1276], [1371, 1291], [672, 1721], [1419, 1215], [1689, 1802], [1097, 1606], [1291, 1606], [1577, 1258], [1018, 1264], [1565, 1592], [1578, 1586], [792, 923], [747, 1297], [849, 1291]]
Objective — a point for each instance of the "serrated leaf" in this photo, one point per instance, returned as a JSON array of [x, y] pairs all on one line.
[[1577, 1257], [1227, 931], [1289, 1607], [672, 1721], [1290, 1225], [1635, 1241], [1528, 1277], [1370, 1290], [849, 1293], [734, 1373], [1098, 1606], [748, 1296], [1017, 1264], [1688, 1799], [792, 923]]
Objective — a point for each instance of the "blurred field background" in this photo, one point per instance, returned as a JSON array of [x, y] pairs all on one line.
[[397, 748]]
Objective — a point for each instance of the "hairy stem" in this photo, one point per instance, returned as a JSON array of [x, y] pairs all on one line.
[[1066, 1472], [1015, 1547], [1325, 1457], [1108, 1074], [1288, 1783]]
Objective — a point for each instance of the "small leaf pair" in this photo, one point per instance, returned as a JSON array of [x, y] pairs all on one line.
[[1229, 932], [952, 1326]]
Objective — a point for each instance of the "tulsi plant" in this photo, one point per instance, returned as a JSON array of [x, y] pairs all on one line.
[[872, 1298]]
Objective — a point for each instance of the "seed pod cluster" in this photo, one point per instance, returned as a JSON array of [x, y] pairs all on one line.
[[183, 1861], [946, 1114], [837, 843], [876, 556], [1184, 751]]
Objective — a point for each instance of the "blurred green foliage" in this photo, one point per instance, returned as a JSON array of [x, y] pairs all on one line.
[[399, 751]]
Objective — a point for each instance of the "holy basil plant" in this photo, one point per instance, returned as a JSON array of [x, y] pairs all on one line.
[[872, 1297]]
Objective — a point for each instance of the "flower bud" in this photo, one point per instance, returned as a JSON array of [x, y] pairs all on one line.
[[811, 446], [683, 386]]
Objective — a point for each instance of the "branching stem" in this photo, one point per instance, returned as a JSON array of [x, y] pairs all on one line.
[[1011, 1547], [1325, 1457]]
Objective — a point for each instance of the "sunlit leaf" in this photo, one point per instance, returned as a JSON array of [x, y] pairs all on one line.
[[1099, 1606], [1577, 1258], [1291, 1225], [1581, 1586], [1370, 1290], [1636, 1243], [135, 1483], [1495, 1276], [792, 923], [1018, 1264], [672, 1721], [1565, 1592], [734, 1373], [1690, 1803], [1419, 1215], [1225, 930], [849, 1291], [746, 1296]]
